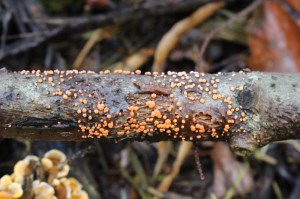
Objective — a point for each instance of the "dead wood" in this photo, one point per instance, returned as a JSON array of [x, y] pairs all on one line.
[[248, 110]]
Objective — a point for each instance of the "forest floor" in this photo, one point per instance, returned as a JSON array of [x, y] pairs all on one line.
[[153, 35]]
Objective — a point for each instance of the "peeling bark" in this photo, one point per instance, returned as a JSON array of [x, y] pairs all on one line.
[[248, 110]]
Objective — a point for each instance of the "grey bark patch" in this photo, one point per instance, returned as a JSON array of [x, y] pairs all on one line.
[[273, 77], [273, 85], [115, 99], [246, 98], [13, 94]]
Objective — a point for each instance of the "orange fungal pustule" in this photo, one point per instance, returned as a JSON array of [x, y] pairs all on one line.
[[165, 97]]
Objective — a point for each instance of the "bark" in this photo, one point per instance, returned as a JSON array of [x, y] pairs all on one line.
[[248, 110]]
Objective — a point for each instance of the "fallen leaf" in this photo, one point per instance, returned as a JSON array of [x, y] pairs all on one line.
[[275, 43], [226, 172], [294, 4]]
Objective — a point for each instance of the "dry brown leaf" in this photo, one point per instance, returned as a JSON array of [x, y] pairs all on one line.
[[295, 4], [275, 44], [173, 36], [97, 4], [226, 171]]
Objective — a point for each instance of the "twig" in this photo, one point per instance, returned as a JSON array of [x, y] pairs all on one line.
[[173, 36], [230, 21], [198, 163], [81, 24], [82, 153], [183, 151], [95, 37]]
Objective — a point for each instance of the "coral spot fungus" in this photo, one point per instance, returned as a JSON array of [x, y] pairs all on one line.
[[164, 104]]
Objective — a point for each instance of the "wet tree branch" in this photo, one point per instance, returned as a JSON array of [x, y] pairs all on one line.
[[248, 110]]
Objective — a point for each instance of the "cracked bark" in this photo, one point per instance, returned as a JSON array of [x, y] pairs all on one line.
[[270, 101]]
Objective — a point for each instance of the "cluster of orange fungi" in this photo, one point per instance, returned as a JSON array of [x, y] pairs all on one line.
[[96, 121]]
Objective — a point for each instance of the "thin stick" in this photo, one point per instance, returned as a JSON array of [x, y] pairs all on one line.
[[230, 21], [76, 25], [198, 163]]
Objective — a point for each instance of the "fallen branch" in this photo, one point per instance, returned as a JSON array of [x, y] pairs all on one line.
[[248, 110]]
